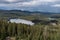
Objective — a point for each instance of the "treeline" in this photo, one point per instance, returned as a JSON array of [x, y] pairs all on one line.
[[27, 32]]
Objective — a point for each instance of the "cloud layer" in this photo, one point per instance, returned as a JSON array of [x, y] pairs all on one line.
[[31, 5]]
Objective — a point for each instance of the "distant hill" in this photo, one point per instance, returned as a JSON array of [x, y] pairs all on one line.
[[15, 13]]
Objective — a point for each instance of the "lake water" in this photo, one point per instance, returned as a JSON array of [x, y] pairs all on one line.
[[21, 21]]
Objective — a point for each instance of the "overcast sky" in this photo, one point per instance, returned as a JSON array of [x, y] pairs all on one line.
[[31, 5]]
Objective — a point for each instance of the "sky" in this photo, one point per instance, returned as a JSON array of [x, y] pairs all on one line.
[[31, 5]]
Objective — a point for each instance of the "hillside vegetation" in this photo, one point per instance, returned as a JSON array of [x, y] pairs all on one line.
[[26, 32], [5, 14], [13, 31]]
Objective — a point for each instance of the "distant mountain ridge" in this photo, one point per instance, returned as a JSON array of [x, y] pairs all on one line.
[[24, 11], [6, 14], [10, 13]]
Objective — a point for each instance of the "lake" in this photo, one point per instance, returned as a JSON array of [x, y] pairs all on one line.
[[23, 21]]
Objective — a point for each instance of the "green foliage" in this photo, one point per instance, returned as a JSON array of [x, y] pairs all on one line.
[[27, 32]]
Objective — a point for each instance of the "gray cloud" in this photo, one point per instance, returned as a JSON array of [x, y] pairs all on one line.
[[44, 5], [14, 1]]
